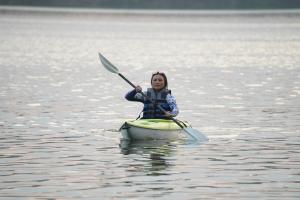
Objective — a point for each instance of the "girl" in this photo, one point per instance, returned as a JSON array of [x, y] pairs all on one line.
[[159, 94]]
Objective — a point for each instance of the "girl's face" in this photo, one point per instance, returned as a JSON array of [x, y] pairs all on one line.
[[158, 82]]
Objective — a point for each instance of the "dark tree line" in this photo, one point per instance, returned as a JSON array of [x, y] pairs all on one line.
[[161, 4]]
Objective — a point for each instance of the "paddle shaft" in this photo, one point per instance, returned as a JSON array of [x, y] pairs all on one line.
[[123, 77], [172, 118]]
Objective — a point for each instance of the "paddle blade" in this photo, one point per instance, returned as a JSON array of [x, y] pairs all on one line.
[[108, 65], [195, 134]]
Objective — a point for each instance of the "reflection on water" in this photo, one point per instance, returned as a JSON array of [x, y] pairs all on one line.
[[156, 154]]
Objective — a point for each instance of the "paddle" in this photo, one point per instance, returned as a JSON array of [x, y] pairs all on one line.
[[192, 133]]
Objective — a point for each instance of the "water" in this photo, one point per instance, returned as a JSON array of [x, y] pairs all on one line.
[[235, 76]]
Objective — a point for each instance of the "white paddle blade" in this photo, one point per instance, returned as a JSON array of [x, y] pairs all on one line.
[[195, 134], [108, 65]]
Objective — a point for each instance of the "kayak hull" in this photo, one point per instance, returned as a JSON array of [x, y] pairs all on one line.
[[152, 129], [136, 133]]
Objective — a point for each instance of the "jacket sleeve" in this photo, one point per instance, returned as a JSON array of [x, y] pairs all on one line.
[[173, 105], [134, 96]]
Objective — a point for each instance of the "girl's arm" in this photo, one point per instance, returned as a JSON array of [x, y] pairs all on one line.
[[172, 103], [134, 96]]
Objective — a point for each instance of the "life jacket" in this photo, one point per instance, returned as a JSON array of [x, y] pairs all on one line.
[[151, 110]]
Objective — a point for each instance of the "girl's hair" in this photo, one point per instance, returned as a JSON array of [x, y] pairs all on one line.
[[164, 77]]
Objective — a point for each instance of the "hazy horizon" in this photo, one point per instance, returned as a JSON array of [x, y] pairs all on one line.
[[160, 4]]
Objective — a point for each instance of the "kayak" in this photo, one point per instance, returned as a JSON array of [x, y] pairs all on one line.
[[152, 129]]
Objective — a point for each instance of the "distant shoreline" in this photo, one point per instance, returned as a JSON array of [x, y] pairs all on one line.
[[172, 12], [160, 4]]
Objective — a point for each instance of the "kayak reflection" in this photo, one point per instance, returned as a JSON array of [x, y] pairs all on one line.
[[156, 155]]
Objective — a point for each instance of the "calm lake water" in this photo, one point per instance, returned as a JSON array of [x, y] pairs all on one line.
[[235, 75]]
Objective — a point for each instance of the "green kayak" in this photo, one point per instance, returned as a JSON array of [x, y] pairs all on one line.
[[152, 129]]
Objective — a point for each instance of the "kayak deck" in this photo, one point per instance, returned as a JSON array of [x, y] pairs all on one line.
[[156, 124]]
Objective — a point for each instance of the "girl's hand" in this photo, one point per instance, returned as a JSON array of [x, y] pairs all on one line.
[[138, 88], [168, 114]]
